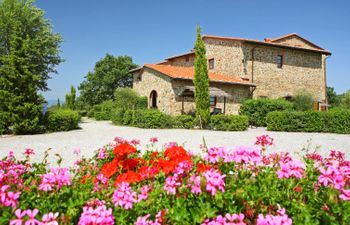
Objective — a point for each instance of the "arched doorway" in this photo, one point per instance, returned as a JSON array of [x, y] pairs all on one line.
[[153, 99]]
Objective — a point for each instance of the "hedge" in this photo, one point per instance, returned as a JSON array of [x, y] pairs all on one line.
[[148, 118], [183, 121], [62, 120], [334, 121], [102, 111], [229, 122], [257, 109]]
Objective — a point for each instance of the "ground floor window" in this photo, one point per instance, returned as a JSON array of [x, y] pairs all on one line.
[[213, 100]]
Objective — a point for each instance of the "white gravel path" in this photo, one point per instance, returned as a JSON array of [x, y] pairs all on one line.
[[95, 134]]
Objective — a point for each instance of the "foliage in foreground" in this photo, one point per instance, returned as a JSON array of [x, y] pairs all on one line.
[[29, 52], [119, 185], [332, 121]]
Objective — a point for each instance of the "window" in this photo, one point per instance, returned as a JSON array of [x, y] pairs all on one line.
[[139, 77], [211, 64], [279, 61], [187, 58], [212, 101]]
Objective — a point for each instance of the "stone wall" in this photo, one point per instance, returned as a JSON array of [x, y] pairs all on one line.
[[186, 61], [296, 42], [168, 92], [302, 71]]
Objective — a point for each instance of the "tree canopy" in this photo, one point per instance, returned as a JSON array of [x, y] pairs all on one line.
[[201, 82], [29, 52], [109, 73]]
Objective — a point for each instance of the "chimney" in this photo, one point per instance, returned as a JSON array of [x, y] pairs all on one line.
[[267, 40]]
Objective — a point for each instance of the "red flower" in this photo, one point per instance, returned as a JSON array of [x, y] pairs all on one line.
[[175, 152], [131, 164], [109, 169], [154, 154], [84, 178], [147, 172], [130, 177], [124, 149], [201, 167], [298, 189]]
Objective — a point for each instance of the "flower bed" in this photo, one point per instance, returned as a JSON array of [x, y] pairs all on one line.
[[119, 185]]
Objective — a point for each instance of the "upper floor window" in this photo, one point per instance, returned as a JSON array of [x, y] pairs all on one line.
[[139, 77], [279, 61], [187, 58], [212, 101], [211, 64]]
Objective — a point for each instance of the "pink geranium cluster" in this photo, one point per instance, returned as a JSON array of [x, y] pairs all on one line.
[[96, 213], [171, 184], [291, 168], [101, 181], [247, 155], [144, 220], [214, 154], [280, 219], [102, 154], [11, 172], [194, 182], [214, 181], [56, 178], [121, 140], [28, 218], [145, 190], [335, 172], [124, 196], [264, 140], [8, 198], [229, 219]]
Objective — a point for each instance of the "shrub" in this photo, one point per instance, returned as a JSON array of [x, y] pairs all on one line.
[[334, 121], [102, 111], [183, 121], [257, 109], [229, 122], [303, 102], [62, 120], [148, 118], [345, 100], [127, 98], [28, 119], [4, 122]]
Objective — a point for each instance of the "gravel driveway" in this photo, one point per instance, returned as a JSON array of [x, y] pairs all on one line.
[[95, 134]]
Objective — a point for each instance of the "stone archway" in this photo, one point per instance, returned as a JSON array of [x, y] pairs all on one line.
[[153, 99]]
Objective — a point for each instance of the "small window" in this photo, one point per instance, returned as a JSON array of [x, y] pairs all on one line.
[[211, 64], [279, 61], [139, 77], [187, 58], [212, 101]]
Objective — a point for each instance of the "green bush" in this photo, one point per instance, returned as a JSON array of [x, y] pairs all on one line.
[[117, 116], [102, 111], [148, 118], [183, 121], [83, 113], [28, 119], [62, 120], [257, 109], [334, 121], [303, 102], [229, 122], [127, 98]]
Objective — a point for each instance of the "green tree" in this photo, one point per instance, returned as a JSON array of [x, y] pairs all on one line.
[[201, 83], [29, 52], [58, 103], [303, 101], [332, 97], [109, 73], [70, 98], [345, 100]]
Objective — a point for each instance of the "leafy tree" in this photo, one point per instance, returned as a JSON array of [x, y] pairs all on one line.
[[332, 97], [29, 52], [201, 83], [70, 98], [345, 100], [303, 102], [109, 73], [58, 103]]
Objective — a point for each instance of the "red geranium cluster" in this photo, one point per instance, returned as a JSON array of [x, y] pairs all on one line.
[[132, 169]]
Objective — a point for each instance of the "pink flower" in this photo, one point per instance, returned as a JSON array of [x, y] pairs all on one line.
[[28, 152], [215, 181], [153, 140], [290, 169], [124, 196], [96, 215], [281, 219], [135, 142], [345, 195], [20, 215], [50, 219], [170, 185], [247, 155], [170, 144], [183, 168], [264, 140], [31, 214], [58, 177], [229, 219], [102, 154], [144, 193], [214, 155], [120, 140], [10, 155], [76, 151], [8, 198], [101, 179], [194, 182]]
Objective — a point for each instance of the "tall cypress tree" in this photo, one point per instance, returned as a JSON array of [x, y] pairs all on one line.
[[201, 83]]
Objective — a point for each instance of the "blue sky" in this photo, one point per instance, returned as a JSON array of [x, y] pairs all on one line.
[[151, 30]]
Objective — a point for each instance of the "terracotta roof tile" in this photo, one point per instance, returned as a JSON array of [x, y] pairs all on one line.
[[178, 72]]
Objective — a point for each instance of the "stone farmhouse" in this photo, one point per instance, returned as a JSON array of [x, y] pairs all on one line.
[[239, 69]]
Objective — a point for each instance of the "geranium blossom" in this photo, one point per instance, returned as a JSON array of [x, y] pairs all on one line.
[[8, 198], [144, 193], [56, 178], [214, 181], [50, 219], [194, 182], [246, 155], [229, 219], [290, 169], [171, 183], [98, 215], [281, 219], [124, 196]]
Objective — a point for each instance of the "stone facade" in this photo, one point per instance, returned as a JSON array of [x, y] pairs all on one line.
[[168, 93], [303, 70]]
